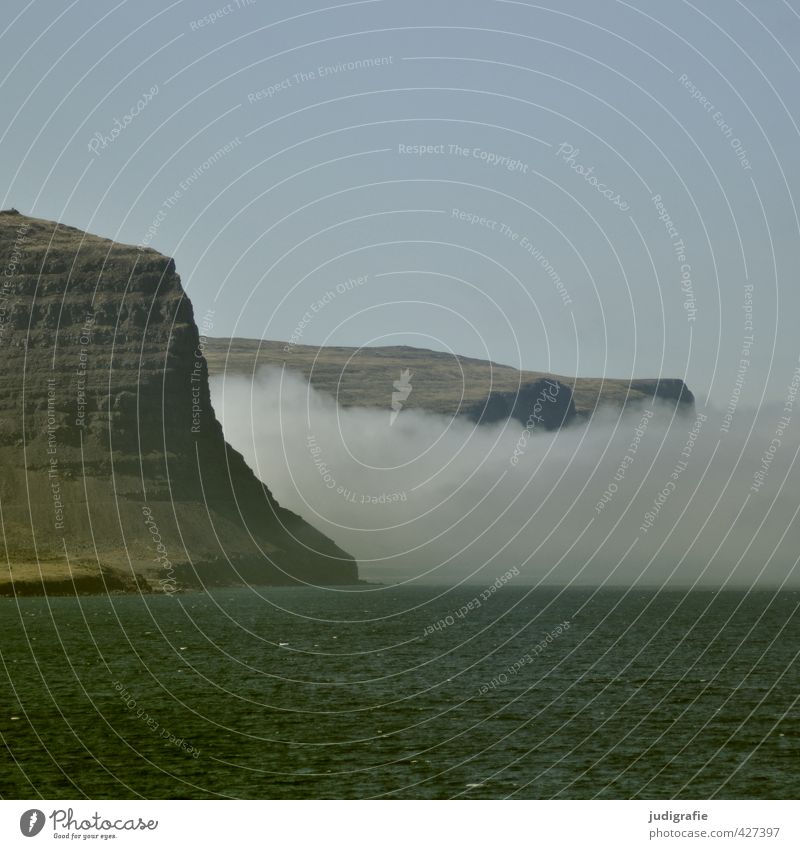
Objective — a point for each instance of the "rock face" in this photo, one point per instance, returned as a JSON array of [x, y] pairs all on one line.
[[666, 389], [112, 456], [543, 403]]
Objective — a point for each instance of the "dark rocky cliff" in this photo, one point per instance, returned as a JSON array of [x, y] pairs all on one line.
[[112, 457], [666, 389], [542, 403]]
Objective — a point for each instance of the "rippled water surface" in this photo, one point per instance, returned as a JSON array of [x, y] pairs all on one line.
[[298, 693]]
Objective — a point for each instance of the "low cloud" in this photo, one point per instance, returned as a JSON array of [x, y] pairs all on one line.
[[644, 497]]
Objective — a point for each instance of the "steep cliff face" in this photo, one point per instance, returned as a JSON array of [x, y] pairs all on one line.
[[111, 453], [666, 389], [546, 404]]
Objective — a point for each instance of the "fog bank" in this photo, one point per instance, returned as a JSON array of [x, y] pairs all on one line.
[[643, 497]]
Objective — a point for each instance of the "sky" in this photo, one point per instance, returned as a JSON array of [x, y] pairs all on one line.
[[588, 187]]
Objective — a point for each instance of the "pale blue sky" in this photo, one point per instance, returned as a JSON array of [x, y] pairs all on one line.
[[316, 190]]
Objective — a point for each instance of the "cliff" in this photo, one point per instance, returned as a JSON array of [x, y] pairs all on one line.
[[443, 383], [115, 468], [541, 403]]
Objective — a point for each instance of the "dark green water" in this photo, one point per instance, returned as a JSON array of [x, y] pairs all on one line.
[[647, 695]]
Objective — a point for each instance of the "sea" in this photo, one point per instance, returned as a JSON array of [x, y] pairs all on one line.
[[402, 692]]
